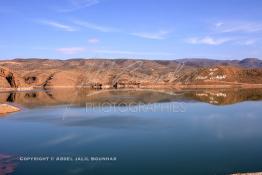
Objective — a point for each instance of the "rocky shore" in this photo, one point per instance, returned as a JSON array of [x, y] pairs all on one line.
[[6, 108], [257, 173]]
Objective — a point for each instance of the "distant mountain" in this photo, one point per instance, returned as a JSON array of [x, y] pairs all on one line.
[[200, 62], [127, 73], [250, 62]]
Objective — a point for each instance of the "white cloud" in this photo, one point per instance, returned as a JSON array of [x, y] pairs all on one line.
[[152, 35], [93, 40], [218, 24], [250, 42], [246, 27], [84, 3], [58, 25], [207, 40], [78, 4], [124, 52], [94, 26], [71, 50], [247, 42]]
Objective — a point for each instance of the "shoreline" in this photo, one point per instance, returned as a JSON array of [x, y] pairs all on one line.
[[176, 86], [254, 173]]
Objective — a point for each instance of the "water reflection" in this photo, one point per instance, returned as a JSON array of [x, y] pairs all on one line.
[[204, 139], [83, 97]]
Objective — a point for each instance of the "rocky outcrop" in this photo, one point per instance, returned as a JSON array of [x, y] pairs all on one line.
[[6, 108], [11, 79], [7, 79], [255, 173], [4, 83]]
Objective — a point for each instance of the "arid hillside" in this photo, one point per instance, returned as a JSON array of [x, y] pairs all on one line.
[[122, 73], [224, 74]]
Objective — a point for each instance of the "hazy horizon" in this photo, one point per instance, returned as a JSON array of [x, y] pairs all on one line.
[[119, 58]]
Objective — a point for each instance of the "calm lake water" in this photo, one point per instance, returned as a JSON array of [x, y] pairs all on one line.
[[141, 132]]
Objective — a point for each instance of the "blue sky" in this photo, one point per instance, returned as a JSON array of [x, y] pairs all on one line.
[[148, 29]]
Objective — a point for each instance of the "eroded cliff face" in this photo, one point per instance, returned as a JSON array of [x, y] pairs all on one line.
[[122, 73], [6, 78], [10, 79]]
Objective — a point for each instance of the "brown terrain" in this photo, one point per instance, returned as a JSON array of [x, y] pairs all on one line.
[[24, 74], [6, 108]]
